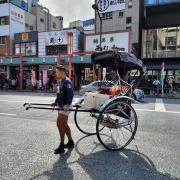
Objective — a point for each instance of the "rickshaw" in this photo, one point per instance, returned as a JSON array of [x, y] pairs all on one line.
[[108, 112]]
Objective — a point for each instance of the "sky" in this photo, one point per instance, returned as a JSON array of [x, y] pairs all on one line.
[[71, 10]]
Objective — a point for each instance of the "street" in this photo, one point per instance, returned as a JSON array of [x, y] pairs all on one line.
[[28, 139]]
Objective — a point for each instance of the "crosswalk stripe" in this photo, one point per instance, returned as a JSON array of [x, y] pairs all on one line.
[[159, 105]]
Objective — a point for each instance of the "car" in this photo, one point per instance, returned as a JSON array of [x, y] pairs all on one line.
[[95, 85], [137, 94]]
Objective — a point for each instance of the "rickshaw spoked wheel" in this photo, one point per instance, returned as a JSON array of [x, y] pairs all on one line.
[[119, 122], [86, 121]]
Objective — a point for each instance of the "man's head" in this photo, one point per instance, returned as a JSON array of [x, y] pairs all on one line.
[[60, 71]]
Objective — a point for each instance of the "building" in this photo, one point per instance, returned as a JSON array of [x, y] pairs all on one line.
[[23, 16], [155, 30], [76, 24], [44, 20], [55, 42], [88, 26], [12, 20], [161, 37], [119, 15]]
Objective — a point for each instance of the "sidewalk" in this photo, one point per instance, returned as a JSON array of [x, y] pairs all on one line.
[[165, 96]]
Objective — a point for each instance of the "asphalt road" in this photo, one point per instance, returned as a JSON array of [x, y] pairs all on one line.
[[27, 140]]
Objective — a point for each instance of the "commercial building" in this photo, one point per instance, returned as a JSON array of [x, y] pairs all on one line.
[[119, 15], [161, 37], [20, 20], [154, 27], [23, 16]]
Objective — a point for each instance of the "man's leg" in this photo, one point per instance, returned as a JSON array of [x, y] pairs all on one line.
[[70, 143], [66, 127], [61, 128]]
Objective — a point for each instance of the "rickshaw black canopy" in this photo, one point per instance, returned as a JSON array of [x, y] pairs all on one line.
[[114, 58]]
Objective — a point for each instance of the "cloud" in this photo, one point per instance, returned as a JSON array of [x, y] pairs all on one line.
[[71, 10]]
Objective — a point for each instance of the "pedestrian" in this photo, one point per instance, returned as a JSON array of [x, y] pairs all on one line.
[[14, 84], [156, 83], [2, 83], [24, 83], [64, 101]]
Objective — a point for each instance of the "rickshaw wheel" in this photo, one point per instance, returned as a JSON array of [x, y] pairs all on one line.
[[119, 122], [86, 122]]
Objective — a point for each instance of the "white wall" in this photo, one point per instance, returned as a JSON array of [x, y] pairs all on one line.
[[4, 30], [4, 9]]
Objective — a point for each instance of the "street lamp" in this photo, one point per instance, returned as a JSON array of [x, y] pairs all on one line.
[[95, 7]]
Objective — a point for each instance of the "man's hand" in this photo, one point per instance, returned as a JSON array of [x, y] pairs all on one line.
[[66, 108], [53, 104]]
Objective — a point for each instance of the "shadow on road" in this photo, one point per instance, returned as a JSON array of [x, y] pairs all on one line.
[[105, 165]]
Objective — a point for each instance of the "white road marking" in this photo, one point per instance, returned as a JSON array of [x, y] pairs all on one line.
[[6, 114], [151, 110], [9, 101], [159, 105]]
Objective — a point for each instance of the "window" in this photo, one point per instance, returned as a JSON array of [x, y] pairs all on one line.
[[17, 49], [161, 43], [26, 49], [121, 14], [3, 1], [33, 49], [107, 15], [128, 20], [130, 4], [129, 27], [27, 25], [54, 50], [2, 40], [42, 20], [54, 25], [23, 49], [4, 20], [31, 28]]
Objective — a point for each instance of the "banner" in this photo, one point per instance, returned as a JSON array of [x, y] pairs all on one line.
[[33, 78], [45, 78]]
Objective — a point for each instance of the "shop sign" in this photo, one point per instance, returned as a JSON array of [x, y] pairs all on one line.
[[25, 37], [105, 6], [109, 41]]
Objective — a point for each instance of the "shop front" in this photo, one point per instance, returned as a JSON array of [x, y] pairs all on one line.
[[26, 44]]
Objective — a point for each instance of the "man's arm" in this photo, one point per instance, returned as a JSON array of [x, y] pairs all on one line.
[[70, 94]]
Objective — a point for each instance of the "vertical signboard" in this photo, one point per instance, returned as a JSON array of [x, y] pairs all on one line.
[[45, 78], [17, 20], [33, 78]]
